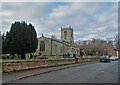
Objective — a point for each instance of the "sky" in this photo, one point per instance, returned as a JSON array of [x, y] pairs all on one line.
[[88, 19]]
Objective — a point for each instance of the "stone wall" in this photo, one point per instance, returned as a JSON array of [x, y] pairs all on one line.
[[10, 66]]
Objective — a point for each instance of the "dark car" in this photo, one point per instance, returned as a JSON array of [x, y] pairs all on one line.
[[104, 59]]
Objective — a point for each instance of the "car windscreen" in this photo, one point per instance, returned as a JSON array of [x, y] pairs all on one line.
[[104, 57]]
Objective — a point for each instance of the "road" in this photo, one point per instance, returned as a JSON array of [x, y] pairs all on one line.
[[97, 72]]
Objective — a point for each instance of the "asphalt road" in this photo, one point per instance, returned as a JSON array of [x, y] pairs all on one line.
[[89, 73]]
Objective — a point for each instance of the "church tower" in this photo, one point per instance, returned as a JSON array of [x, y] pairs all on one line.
[[67, 34]]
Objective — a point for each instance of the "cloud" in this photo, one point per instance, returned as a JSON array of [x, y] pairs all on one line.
[[99, 30], [88, 19], [92, 36], [59, 0]]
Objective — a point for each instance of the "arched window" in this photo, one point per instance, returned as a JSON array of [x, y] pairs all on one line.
[[65, 33], [42, 46]]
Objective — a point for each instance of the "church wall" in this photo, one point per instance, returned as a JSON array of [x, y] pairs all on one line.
[[58, 48], [47, 46]]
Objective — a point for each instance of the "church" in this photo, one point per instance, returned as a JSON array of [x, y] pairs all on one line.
[[57, 47]]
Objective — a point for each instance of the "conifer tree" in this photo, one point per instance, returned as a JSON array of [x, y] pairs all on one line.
[[21, 39]]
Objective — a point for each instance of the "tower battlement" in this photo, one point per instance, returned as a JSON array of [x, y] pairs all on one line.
[[67, 34]]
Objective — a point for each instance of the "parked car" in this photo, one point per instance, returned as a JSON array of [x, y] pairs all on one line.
[[104, 59], [114, 58]]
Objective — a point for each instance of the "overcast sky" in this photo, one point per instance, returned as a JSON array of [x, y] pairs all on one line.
[[88, 19]]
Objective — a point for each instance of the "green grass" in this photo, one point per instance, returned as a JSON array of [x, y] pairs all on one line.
[[1, 60], [8, 73]]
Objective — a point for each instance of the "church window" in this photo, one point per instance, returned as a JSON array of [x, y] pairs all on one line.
[[65, 33], [42, 46]]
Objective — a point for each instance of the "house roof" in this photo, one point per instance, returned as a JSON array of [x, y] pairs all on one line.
[[100, 46]]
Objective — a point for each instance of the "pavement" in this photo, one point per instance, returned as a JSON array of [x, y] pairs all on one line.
[[10, 77]]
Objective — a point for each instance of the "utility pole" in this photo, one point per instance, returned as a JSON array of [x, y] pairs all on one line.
[[0, 43], [118, 46]]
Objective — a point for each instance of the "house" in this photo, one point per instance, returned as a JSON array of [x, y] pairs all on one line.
[[97, 49]]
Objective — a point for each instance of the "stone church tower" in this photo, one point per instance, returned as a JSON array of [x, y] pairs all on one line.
[[67, 34]]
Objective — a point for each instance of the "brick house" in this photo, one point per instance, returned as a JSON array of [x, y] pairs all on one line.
[[98, 49]]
